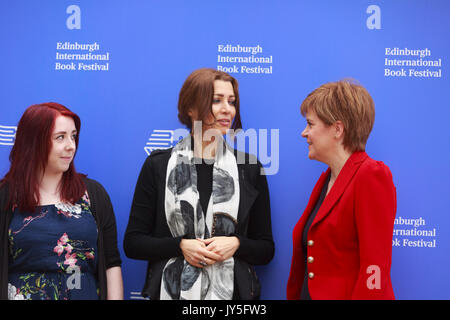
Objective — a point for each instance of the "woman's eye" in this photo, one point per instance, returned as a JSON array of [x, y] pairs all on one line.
[[61, 137], [216, 100], [232, 103], [74, 136]]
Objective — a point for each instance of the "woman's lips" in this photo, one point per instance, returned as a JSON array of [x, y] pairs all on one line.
[[224, 122]]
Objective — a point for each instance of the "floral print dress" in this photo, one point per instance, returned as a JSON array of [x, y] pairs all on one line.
[[53, 253]]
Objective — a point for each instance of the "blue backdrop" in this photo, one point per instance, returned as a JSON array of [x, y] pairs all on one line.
[[125, 86]]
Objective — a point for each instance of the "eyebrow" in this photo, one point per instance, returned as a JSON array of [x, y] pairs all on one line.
[[59, 132], [222, 95]]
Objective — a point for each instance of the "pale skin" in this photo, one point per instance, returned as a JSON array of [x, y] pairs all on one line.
[[60, 157], [203, 252], [326, 144]]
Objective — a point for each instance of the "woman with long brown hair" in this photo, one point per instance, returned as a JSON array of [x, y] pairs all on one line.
[[57, 227], [200, 217]]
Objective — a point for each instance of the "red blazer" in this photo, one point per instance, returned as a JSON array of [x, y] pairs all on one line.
[[350, 240]]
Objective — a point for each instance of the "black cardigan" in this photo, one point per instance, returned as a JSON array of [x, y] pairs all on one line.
[[148, 236], [103, 213]]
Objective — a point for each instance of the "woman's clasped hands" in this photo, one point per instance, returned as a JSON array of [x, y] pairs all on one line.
[[203, 252]]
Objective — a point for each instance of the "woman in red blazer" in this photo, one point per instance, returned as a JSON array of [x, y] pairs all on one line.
[[342, 244]]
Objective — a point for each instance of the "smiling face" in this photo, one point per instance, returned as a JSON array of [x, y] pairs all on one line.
[[224, 105], [63, 142], [320, 138], [223, 108]]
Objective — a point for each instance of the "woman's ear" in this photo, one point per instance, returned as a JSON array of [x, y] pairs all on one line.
[[193, 114], [338, 129]]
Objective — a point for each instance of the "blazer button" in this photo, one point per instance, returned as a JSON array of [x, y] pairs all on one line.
[[310, 259], [311, 275], [310, 243]]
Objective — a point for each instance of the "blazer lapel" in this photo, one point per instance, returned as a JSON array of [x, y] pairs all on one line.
[[247, 194], [312, 200], [345, 176]]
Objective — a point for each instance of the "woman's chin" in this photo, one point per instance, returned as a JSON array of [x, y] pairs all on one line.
[[311, 156]]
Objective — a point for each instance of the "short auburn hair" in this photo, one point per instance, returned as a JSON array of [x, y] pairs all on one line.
[[349, 102], [29, 158], [197, 93]]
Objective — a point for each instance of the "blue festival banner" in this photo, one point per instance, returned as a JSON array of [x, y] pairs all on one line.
[[120, 67]]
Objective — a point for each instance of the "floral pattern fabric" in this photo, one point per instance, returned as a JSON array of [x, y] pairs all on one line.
[[53, 253]]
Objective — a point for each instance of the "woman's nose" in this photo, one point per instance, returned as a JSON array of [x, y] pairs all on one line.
[[226, 107], [70, 144], [304, 133]]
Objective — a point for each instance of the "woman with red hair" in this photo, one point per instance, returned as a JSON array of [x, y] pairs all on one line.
[[57, 228]]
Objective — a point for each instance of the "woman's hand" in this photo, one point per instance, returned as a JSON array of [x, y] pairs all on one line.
[[196, 254], [225, 247]]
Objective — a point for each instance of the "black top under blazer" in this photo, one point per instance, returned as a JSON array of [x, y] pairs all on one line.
[[148, 236]]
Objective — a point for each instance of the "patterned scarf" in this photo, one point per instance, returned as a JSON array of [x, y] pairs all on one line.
[[185, 217]]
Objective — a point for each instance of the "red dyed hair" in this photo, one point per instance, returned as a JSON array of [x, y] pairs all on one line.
[[29, 157]]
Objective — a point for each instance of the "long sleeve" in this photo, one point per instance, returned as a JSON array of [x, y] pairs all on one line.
[[111, 251], [140, 241], [375, 209], [257, 246], [297, 270]]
